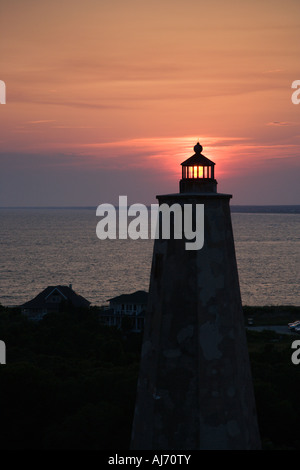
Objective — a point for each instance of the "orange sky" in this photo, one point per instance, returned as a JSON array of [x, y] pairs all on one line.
[[107, 97]]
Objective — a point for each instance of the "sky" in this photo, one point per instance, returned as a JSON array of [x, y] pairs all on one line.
[[108, 97]]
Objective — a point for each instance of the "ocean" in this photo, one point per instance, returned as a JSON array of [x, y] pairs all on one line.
[[52, 246]]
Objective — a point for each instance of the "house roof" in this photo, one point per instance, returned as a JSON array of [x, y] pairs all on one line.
[[66, 292], [138, 297]]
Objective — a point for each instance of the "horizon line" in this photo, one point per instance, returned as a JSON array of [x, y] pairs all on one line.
[[147, 205]]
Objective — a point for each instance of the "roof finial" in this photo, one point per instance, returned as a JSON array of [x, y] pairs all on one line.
[[198, 148]]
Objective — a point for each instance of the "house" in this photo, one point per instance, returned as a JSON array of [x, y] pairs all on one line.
[[126, 311], [53, 299]]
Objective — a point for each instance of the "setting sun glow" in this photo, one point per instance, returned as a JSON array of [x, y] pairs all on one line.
[[108, 98]]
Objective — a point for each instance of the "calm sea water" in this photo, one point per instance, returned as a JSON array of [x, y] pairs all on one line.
[[41, 247]]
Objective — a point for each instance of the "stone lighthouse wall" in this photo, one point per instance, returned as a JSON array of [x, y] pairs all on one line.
[[195, 388]]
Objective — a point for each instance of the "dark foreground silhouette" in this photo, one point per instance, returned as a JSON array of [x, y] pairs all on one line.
[[70, 383]]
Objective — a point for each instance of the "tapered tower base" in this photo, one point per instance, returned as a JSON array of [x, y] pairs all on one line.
[[195, 388]]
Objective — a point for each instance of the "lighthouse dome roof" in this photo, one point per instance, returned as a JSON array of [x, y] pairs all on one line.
[[198, 158]]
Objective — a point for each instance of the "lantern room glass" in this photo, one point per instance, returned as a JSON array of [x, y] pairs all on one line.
[[197, 172]]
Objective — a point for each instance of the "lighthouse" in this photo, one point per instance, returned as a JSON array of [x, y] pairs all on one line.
[[195, 389]]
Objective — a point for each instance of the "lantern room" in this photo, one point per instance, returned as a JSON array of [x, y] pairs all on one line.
[[198, 174]]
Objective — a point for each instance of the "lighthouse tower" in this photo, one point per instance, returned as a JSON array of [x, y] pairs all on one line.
[[195, 388]]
